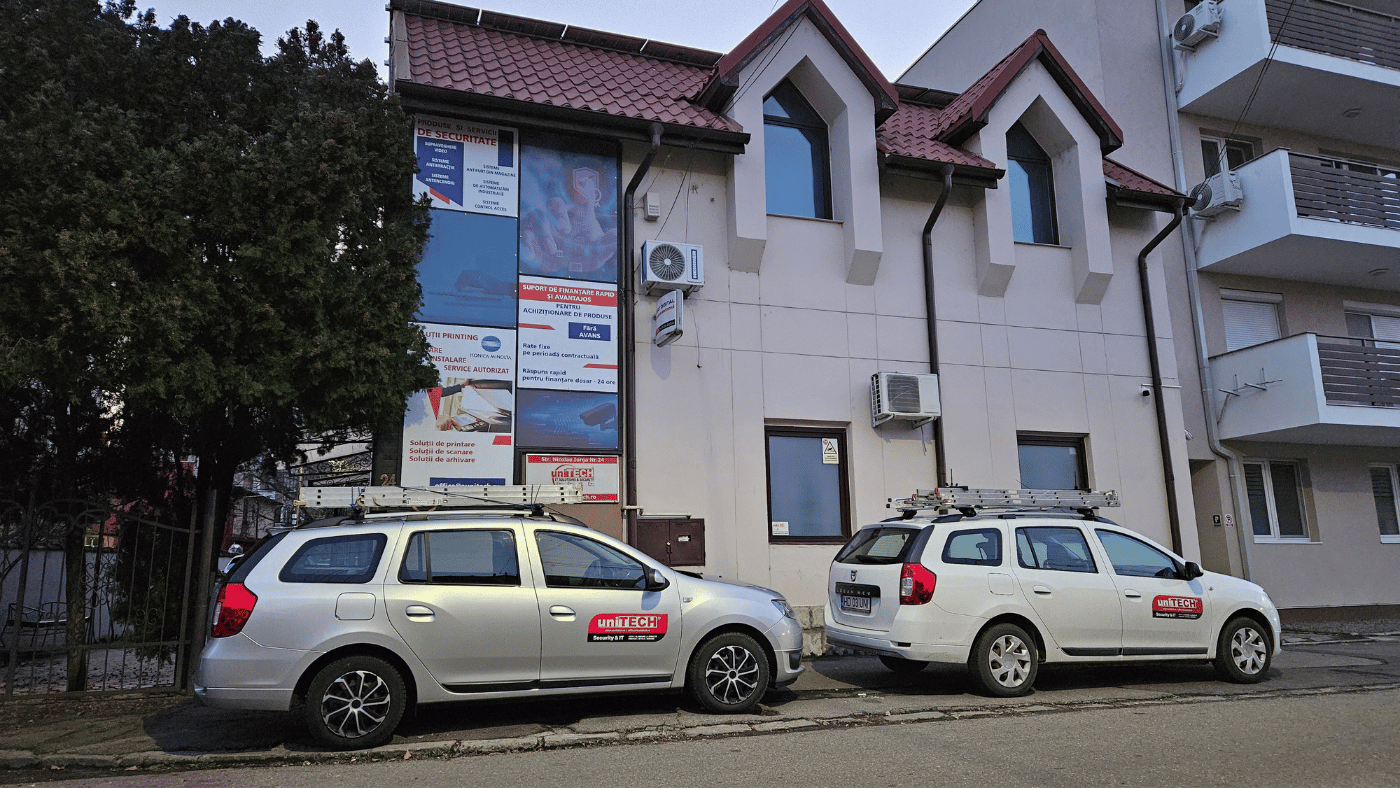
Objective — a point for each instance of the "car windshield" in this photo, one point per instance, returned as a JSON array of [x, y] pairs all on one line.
[[878, 545]]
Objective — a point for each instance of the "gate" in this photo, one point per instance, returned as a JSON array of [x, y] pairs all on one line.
[[130, 581]]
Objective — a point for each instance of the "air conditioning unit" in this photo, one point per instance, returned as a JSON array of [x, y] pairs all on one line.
[[898, 395], [672, 266], [1218, 193], [1197, 25]]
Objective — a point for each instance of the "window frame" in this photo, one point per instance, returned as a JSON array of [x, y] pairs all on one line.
[[1038, 160], [946, 558], [381, 541], [818, 134], [1394, 498], [1077, 442], [1223, 143], [1088, 549], [639, 585], [1274, 535], [1273, 300], [1176, 565], [843, 476]]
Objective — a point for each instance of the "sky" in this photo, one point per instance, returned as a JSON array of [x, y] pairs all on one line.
[[893, 38]]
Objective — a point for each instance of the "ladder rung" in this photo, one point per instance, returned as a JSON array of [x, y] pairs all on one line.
[[452, 497]]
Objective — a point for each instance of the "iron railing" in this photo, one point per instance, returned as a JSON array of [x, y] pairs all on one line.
[[1336, 29]]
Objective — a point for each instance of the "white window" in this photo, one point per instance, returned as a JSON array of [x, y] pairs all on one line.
[[1275, 491], [1375, 330], [1383, 487], [1224, 151], [1250, 318]]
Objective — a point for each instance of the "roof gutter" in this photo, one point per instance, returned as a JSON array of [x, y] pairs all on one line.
[[940, 463], [1155, 364], [629, 346]]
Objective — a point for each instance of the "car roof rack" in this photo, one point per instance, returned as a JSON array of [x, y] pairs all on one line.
[[968, 500], [449, 497]]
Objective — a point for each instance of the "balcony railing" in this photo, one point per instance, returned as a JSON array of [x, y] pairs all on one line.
[[1357, 374], [1336, 29], [1326, 189]]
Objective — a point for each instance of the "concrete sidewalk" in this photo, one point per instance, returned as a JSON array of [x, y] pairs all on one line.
[[135, 731]]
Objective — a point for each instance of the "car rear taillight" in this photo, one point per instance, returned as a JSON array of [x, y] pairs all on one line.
[[915, 584], [231, 613]]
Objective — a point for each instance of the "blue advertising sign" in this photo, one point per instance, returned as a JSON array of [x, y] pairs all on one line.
[[468, 270], [568, 210], [566, 419], [467, 166]]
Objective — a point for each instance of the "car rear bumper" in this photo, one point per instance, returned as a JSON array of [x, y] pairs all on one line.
[[901, 641], [238, 698]]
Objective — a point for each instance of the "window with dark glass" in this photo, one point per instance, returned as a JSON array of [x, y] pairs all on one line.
[[1275, 492], [980, 547], [572, 561], [335, 559], [1032, 189], [1052, 462], [477, 558], [1056, 549], [1134, 558], [807, 499], [1383, 487], [797, 166], [1221, 151]]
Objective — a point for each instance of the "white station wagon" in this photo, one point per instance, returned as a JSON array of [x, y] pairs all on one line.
[[1005, 591]]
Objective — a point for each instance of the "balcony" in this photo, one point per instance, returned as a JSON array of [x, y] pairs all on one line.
[[1306, 219], [1309, 389], [1335, 73]]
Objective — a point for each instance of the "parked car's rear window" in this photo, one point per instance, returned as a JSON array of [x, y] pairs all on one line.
[[336, 559], [980, 547], [878, 545]]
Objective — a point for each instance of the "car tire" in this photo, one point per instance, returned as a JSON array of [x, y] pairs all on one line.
[[903, 666], [1005, 661], [728, 674], [355, 703], [1244, 652]]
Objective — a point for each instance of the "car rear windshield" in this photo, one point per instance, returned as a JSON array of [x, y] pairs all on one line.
[[878, 545]]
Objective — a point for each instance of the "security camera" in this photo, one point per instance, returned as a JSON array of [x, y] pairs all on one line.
[[1146, 391]]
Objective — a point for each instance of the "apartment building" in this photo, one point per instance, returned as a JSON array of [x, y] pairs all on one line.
[[825, 226], [1285, 286]]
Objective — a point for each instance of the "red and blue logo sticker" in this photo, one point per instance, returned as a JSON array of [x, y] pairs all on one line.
[[627, 628], [1177, 607]]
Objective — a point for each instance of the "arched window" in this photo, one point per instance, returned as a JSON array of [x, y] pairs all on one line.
[[797, 166], [1032, 189]]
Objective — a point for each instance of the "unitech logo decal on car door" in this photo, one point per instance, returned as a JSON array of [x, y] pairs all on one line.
[[1176, 607], [627, 628]]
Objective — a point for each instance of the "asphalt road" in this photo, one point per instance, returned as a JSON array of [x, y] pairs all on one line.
[[1328, 716], [1341, 739]]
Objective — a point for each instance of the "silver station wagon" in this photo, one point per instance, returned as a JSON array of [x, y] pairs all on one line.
[[353, 620]]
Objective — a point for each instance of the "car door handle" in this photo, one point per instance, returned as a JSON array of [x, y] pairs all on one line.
[[560, 610], [419, 612], [1131, 594], [1042, 590]]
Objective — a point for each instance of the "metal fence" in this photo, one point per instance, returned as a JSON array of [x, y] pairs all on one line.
[[93, 597]]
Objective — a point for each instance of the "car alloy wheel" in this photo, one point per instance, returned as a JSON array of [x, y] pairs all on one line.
[[732, 674], [355, 702], [729, 673]]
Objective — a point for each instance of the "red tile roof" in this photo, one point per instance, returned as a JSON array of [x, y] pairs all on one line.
[[968, 112], [492, 62], [910, 132], [1134, 181], [725, 79]]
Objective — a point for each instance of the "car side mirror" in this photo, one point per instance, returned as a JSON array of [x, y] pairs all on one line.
[[655, 581], [1191, 571]]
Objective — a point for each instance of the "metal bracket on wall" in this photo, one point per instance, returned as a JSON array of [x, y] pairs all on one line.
[[1262, 385]]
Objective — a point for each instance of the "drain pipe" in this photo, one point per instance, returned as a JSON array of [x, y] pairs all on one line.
[[627, 319], [1155, 363], [1198, 327], [939, 458]]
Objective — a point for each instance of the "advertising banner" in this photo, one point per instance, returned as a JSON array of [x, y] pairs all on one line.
[[468, 270], [461, 430], [598, 475], [566, 420], [568, 335], [467, 166], [568, 209]]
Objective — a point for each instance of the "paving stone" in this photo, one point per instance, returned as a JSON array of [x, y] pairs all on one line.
[[17, 759], [784, 725], [917, 716], [572, 739], [967, 715], [647, 735], [67, 760], [499, 745], [716, 730]]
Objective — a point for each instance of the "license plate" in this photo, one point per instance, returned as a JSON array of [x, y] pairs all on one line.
[[855, 604]]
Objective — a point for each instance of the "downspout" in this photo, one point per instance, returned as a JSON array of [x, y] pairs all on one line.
[[629, 353], [1193, 286], [939, 458], [1155, 363]]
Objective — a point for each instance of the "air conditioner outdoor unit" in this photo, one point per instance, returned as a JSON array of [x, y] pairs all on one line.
[[1218, 193], [1197, 25], [672, 266], [898, 395]]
